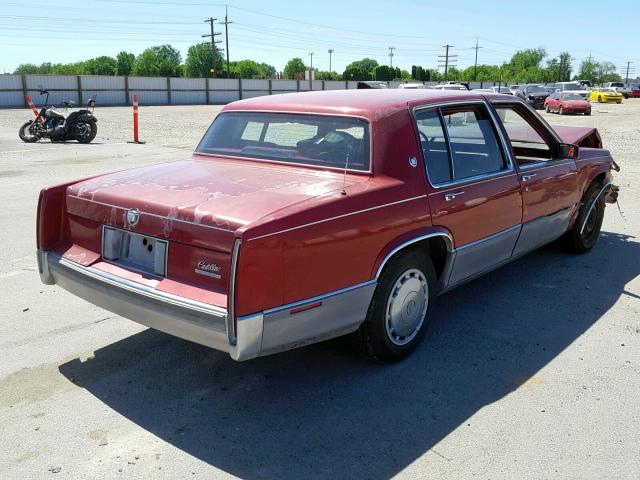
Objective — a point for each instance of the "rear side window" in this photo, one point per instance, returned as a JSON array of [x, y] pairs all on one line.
[[317, 140], [458, 143]]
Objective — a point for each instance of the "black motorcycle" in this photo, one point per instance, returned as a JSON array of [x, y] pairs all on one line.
[[80, 125]]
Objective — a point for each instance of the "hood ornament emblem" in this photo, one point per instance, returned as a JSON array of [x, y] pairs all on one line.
[[133, 217]]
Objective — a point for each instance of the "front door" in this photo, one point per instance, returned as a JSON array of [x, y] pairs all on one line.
[[476, 193], [550, 192]]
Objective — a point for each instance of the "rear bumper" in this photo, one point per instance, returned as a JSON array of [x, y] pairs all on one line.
[[195, 321]]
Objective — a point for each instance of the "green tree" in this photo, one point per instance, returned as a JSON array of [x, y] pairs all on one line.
[[360, 69], [99, 66], [159, 61], [124, 63], [294, 69], [27, 68], [268, 71], [247, 69], [606, 72], [198, 62]]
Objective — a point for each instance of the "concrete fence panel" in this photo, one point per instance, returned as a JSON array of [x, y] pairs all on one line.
[[101, 82], [10, 82], [147, 83], [188, 97], [334, 85], [52, 82], [188, 84], [285, 85]]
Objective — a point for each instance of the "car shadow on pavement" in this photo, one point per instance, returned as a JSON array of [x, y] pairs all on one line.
[[322, 412]]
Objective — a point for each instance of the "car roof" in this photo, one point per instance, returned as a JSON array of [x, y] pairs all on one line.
[[367, 103]]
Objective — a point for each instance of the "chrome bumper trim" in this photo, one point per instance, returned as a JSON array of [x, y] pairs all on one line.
[[189, 319]]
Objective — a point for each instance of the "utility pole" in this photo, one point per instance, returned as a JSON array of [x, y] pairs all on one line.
[[627, 74], [448, 61], [391, 49], [311, 72], [560, 68], [330, 53], [475, 66], [226, 38], [213, 44]]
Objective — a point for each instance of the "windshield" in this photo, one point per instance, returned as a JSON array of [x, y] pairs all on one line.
[[617, 84], [571, 86], [570, 96], [536, 89], [608, 90], [294, 138]]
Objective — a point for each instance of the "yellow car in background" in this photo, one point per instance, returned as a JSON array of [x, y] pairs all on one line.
[[605, 95]]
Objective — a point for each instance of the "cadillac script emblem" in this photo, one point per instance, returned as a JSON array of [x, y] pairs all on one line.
[[133, 216], [208, 269]]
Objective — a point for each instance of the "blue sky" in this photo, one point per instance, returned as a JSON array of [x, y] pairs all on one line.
[[274, 31]]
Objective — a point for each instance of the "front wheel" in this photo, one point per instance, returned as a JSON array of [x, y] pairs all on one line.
[[599, 99], [26, 133], [547, 109], [586, 229], [85, 132], [560, 111], [398, 314]]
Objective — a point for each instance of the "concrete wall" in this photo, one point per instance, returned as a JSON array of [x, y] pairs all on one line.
[[111, 90]]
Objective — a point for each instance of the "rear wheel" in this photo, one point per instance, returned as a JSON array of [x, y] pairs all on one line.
[[26, 133], [560, 111], [398, 314], [85, 131], [547, 109], [586, 229]]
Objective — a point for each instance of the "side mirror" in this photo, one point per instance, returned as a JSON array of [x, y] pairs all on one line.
[[569, 151]]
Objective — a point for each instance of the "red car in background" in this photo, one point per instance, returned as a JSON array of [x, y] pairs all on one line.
[[567, 102], [635, 90]]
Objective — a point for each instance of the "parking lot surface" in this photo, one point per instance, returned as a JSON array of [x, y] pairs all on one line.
[[532, 371]]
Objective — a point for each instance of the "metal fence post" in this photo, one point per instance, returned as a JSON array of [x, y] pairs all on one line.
[[297, 85], [206, 87], [24, 90], [168, 90], [270, 87], [346, 84], [126, 90], [240, 88], [322, 84], [79, 88]]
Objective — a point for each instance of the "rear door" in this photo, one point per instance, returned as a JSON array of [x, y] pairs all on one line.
[[476, 194], [550, 192]]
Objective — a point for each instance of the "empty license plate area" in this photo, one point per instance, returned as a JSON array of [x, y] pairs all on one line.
[[139, 252]]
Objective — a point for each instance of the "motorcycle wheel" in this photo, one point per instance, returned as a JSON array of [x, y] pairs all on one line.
[[25, 133], [85, 131]]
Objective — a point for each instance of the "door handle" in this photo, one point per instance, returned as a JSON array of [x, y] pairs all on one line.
[[450, 196], [529, 176]]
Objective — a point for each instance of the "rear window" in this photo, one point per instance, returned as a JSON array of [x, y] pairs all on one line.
[[318, 140]]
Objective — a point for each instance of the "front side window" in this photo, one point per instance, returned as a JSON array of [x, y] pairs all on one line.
[[459, 143], [317, 140], [525, 135]]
